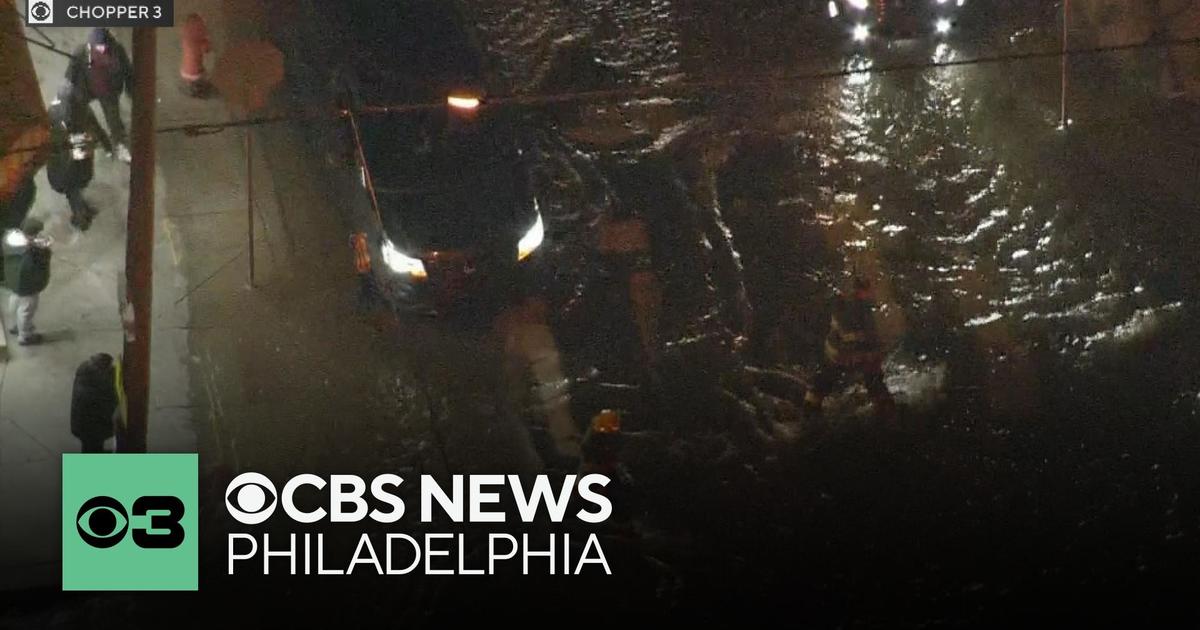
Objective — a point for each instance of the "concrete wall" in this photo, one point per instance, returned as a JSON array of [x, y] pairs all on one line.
[[23, 121]]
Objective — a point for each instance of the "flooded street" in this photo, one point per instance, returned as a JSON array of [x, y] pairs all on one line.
[[1035, 300]]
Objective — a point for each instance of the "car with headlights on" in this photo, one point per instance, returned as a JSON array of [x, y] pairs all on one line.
[[436, 177], [458, 212], [864, 20]]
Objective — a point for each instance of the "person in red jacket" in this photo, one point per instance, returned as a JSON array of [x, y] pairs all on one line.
[[101, 70], [195, 42]]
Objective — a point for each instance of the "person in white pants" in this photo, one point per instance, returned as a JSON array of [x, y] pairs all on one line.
[[32, 277], [25, 307]]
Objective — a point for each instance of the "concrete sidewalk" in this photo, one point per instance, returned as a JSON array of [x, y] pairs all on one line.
[[270, 378], [79, 317]]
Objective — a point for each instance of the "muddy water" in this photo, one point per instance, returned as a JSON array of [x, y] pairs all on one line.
[[1034, 290], [976, 252]]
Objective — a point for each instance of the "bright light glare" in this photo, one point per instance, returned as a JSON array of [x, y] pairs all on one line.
[[943, 25], [942, 53], [941, 1], [861, 5], [15, 238], [402, 264], [833, 10], [961, 2], [861, 32], [532, 239], [463, 102], [859, 72]]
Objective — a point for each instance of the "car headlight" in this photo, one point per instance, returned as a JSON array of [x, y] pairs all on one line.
[[401, 263], [532, 239]]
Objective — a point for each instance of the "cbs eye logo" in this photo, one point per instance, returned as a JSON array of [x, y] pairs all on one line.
[[102, 522], [40, 12], [251, 498], [130, 522]]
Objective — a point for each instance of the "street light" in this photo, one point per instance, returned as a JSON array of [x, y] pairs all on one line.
[[463, 102], [861, 32]]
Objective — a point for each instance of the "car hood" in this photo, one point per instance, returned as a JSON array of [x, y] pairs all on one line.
[[466, 216], [442, 186]]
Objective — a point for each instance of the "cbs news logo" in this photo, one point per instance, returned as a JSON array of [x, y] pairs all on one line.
[[129, 522]]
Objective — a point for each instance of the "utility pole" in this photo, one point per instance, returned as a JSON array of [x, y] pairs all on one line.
[[1063, 120], [139, 248], [250, 200]]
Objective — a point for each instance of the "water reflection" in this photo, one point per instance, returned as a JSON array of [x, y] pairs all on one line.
[[895, 172]]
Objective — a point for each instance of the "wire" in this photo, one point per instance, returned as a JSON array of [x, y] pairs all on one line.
[[686, 86], [48, 44], [196, 129]]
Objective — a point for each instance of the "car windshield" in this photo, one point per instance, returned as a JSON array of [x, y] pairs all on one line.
[[434, 167], [424, 154]]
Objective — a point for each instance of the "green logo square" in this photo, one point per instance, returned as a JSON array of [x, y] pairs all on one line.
[[129, 522]]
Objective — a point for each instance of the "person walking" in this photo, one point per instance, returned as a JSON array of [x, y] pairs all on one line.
[[94, 402], [101, 69], [33, 274], [74, 131], [852, 347]]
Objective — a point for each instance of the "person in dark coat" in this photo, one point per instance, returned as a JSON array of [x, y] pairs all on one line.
[[102, 71], [74, 131], [33, 274], [94, 402]]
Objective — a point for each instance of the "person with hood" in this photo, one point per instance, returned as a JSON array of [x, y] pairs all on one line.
[[101, 69], [32, 276], [73, 132], [94, 402]]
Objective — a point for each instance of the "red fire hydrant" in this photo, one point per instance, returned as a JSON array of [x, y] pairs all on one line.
[[195, 42]]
